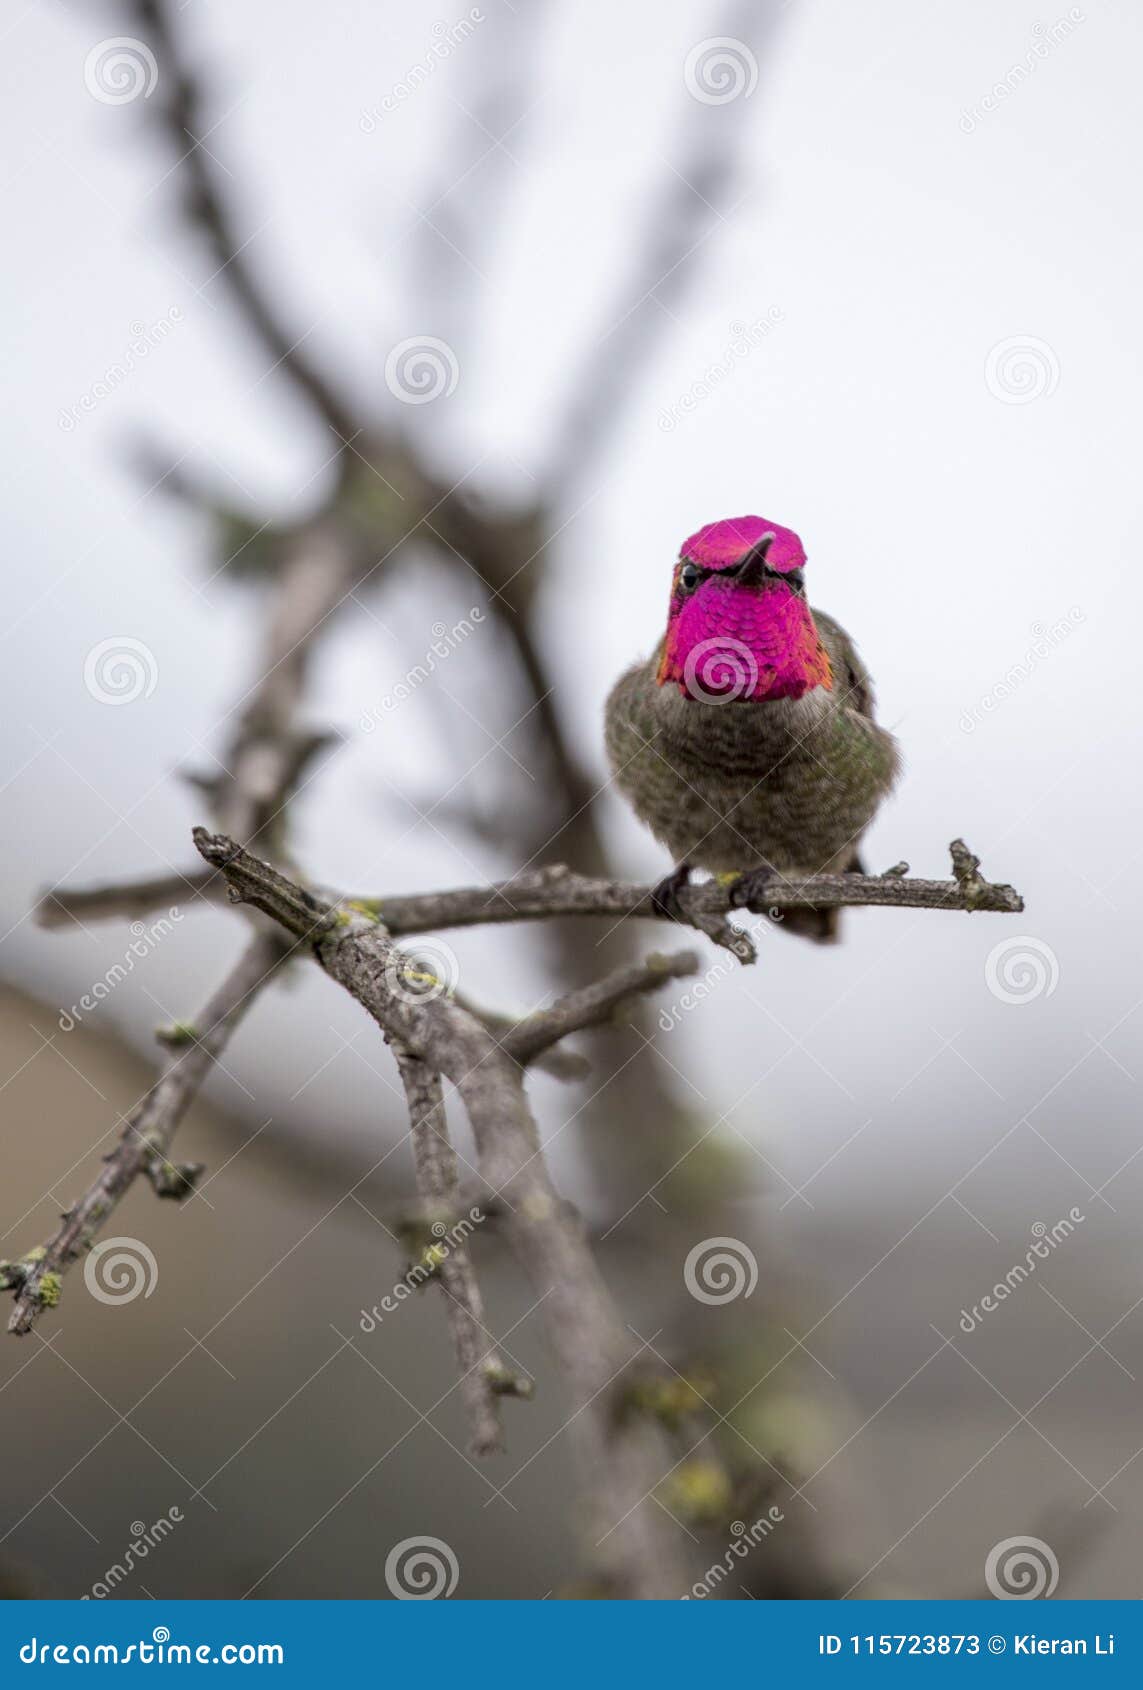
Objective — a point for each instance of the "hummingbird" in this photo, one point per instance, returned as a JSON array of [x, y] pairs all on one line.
[[747, 741]]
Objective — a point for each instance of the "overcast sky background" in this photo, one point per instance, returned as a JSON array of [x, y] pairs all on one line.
[[895, 243]]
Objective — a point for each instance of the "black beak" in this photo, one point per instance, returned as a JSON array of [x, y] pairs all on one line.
[[751, 571]]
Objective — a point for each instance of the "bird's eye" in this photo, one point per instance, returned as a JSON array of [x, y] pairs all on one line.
[[796, 579], [689, 577]]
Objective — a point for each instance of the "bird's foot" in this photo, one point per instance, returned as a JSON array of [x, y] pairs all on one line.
[[665, 897], [749, 890]]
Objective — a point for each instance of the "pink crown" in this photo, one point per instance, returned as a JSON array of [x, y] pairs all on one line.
[[721, 544]]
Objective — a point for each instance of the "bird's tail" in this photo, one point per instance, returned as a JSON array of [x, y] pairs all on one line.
[[822, 926]]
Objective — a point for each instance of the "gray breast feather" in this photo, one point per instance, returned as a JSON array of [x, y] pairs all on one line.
[[792, 782]]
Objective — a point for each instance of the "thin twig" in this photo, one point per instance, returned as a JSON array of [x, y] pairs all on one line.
[[484, 1375], [594, 1005], [60, 907], [145, 1142]]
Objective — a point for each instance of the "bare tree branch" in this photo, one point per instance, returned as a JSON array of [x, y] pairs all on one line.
[[178, 105], [564, 1065], [265, 757], [145, 1142], [622, 1461], [559, 891]]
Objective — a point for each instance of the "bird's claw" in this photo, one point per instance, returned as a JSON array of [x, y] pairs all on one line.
[[665, 897], [749, 890]]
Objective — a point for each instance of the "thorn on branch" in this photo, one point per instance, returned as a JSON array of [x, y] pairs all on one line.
[[503, 1382], [966, 873], [176, 1180], [177, 1034]]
